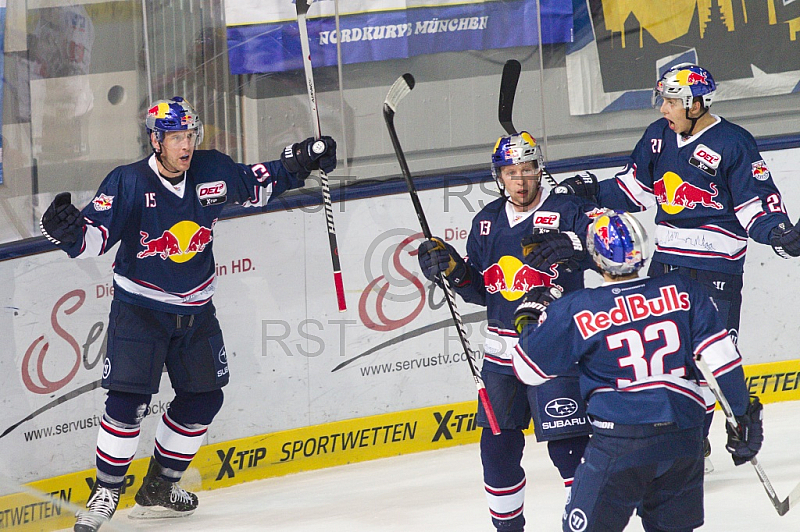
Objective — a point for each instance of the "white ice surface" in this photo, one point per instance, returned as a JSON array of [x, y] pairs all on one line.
[[443, 491]]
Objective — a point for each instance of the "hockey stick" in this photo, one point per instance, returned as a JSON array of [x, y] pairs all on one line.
[[399, 90], [505, 106], [781, 506], [302, 9]]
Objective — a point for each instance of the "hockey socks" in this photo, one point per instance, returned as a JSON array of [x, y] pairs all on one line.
[[176, 445], [118, 436], [504, 478]]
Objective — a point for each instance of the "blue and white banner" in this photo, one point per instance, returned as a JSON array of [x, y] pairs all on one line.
[[621, 48], [263, 35]]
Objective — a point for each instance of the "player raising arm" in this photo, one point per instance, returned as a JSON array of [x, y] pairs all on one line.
[[496, 275], [162, 211], [710, 186], [634, 341]]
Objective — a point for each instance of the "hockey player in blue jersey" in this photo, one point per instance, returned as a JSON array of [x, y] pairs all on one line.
[[162, 211], [634, 341], [496, 274], [712, 190]]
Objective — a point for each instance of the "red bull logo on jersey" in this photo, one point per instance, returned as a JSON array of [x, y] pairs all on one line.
[[760, 170], [179, 243], [632, 308], [512, 279], [674, 194]]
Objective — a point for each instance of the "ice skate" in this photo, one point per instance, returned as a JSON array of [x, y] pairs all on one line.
[[161, 498], [101, 506], [708, 467]]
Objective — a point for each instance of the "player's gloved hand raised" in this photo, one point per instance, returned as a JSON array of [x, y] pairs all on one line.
[[786, 240], [543, 248], [301, 158], [436, 256], [745, 442], [533, 305], [62, 223], [583, 185]]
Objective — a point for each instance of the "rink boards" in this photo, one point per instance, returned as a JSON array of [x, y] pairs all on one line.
[[310, 387], [308, 448]]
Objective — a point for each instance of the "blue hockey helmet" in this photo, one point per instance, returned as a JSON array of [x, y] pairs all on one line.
[[685, 81], [175, 114], [617, 242], [516, 149]]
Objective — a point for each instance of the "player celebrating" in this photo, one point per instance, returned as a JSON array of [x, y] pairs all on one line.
[[634, 341], [712, 189], [496, 275], [162, 210]]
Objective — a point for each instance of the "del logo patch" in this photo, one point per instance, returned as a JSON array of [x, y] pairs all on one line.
[[546, 219], [705, 159], [212, 193]]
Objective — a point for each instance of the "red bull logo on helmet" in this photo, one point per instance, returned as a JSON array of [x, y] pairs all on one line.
[[674, 194], [512, 279], [690, 77], [601, 232], [159, 110], [179, 243]]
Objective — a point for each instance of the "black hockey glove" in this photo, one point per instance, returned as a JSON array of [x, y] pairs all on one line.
[[543, 249], [745, 442], [583, 185], [533, 305], [786, 240], [62, 223], [435, 257], [311, 154]]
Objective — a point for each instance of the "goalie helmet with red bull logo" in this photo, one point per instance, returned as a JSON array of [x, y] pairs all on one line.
[[617, 242], [685, 81], [516, 149], [175, 114]]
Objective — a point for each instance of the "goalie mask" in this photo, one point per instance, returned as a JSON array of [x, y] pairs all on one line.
[[515, 149], [617, 242], [175, 114]]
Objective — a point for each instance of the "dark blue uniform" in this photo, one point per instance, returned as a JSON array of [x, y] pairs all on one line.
[[498, 279], [712, 192], [162, 314], [634, 343]]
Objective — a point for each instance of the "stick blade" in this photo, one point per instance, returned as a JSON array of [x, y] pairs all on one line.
[[400, 89], [302, 6], [508, 89]]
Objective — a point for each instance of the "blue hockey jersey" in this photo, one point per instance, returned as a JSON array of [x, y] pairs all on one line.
[[634, 343], [498, 276], [712, 190], [165, 259]]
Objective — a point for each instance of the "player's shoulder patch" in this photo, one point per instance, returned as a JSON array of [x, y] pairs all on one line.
[[102, 202], [760, 170]]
